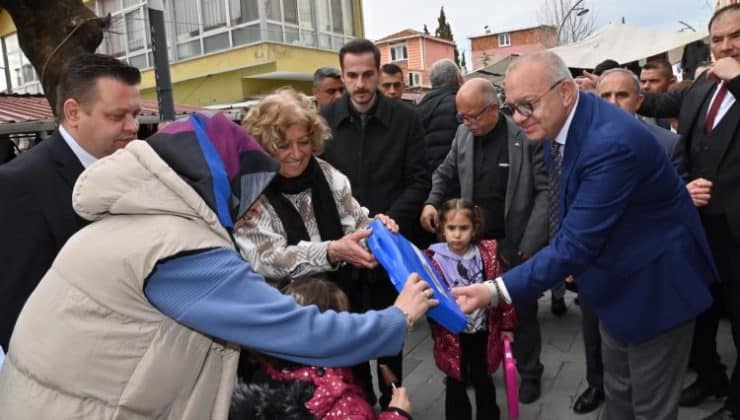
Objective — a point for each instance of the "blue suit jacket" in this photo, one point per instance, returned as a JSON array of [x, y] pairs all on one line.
[[629, 233]]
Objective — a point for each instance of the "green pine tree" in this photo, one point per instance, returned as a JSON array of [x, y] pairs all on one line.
[[444, 31]]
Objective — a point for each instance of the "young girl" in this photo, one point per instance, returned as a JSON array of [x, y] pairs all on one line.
[[469, 358], [286, 389]]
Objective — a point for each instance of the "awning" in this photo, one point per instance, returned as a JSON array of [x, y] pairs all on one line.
[[32, 113], [624, 44]]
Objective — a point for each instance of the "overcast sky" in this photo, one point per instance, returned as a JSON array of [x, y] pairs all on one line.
[[468, 17]]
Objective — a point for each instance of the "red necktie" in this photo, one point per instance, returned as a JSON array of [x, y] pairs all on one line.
[[712, 114]]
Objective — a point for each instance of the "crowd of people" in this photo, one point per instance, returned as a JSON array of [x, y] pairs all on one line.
[[218, 270]]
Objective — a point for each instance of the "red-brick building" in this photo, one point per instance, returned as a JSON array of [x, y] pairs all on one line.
[[486, 47]]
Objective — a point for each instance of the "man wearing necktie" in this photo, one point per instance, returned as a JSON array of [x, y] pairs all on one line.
[[627, 231], [708, 121]]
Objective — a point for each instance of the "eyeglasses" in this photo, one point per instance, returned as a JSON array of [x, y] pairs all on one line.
[[526, 109], [461, 118]]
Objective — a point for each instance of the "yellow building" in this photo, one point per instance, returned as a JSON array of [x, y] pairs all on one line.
[[221, 51]]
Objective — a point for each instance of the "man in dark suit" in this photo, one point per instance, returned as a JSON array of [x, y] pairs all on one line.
[[492, 163], [98, 105], [627, 232], [709, 123]]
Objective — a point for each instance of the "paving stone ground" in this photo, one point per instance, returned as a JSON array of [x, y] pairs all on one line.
[[562, 382]]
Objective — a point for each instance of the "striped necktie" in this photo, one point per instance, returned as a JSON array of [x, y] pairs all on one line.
[[554, 190]]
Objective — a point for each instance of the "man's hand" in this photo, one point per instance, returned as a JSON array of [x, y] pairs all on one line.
[[724, 69], [472, 297], [429, 218], [348, 249], [388, 222], [700, 191]]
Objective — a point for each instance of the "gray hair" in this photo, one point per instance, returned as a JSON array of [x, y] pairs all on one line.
[[444, 72], [324, 72], [632, 76], [554, 66]]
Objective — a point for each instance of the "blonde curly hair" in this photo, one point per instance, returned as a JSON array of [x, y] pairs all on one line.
[[268, 121]]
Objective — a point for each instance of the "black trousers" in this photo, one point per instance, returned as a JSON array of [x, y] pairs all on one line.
[[474, 367], [378, 293], [704, 358]]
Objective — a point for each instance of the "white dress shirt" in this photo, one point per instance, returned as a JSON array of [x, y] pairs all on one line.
[[560, 138], [85, 158]]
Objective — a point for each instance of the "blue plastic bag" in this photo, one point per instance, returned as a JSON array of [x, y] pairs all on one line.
[[400, 258]]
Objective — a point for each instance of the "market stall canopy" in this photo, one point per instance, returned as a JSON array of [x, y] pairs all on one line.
[[495, 70], [625, 43]]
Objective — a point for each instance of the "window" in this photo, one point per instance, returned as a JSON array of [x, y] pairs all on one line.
[[243, 11], [504, 39], [399, 52], [290, 11], [246, 35], [323, 16], [136, 30], [272, 9], [23, 77], [348, 20], [337, 18], [214, 14], [414, 79], [186, 19]]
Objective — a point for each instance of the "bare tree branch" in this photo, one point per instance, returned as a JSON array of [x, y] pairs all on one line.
[[574, 27], [50, 32]]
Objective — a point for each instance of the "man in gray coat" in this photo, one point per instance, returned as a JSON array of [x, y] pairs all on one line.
[[496, 167]]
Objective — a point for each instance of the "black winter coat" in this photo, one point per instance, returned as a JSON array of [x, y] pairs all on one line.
[[384, 159], [438, 114]]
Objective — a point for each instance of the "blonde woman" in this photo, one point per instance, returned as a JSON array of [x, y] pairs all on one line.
[[309, 222]]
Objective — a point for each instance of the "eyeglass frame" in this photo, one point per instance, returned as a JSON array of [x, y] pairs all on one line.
[[526, 109], [473, 117]]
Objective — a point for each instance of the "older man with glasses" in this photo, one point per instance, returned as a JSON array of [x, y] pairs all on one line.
[[624, 228], [493, 164]]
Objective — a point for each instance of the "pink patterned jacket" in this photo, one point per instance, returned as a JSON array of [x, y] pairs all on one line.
[[337, 395], [501, 318]]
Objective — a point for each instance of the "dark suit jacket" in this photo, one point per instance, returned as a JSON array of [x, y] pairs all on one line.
[[37, 219], [686, 105], [526, 202], [630, 234]]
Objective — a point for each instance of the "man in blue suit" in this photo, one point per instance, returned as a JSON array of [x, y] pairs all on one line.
[[627, 231]]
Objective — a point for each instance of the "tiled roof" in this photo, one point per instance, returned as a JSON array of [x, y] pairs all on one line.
[[403, 34], [411, 33], [512, 30], [21, 108]]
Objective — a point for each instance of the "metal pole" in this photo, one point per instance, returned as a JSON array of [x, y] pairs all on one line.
[[8, 82], [562, 23], [161, 62]]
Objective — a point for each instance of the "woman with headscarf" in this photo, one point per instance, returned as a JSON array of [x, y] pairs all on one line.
[[143, 312]]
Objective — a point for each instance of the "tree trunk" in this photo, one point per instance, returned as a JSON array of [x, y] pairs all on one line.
[[44, 28]]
